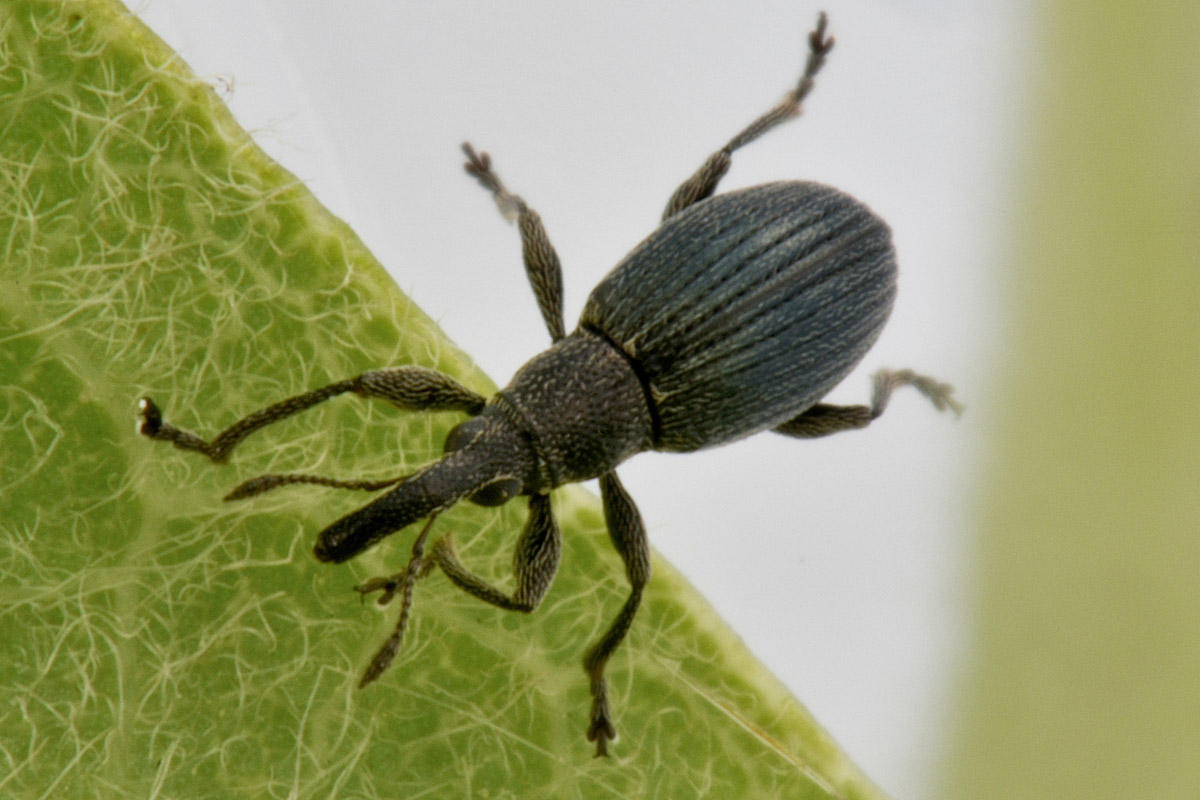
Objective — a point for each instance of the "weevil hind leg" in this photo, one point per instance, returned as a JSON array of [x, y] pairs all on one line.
[[412, 388], [704, 182], [824, 419], [542, 265], [628, 534]]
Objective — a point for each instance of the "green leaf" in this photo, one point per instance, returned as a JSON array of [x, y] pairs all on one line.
[[158, 642]]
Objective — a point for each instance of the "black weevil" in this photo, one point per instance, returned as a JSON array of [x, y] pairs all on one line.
[[736, 316]]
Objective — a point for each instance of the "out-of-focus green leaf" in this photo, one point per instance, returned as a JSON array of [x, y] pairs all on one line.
[[1085, 681]]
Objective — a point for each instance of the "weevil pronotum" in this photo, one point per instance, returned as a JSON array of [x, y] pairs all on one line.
[[737, 315]]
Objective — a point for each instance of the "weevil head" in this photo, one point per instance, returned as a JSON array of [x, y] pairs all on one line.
[[488, 440], [487, 461]]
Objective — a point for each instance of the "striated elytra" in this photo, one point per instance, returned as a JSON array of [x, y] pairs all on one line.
[[744, 310], [736, 316]]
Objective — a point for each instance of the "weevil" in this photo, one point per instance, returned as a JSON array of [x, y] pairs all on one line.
[[736, 316]]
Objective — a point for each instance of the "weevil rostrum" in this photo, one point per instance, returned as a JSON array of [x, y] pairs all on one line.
[[737, 315]]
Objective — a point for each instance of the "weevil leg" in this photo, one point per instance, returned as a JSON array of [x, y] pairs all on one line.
[[824, 419], [886, 381], [535, 562], [704, 182], [542, 265], [403, 583], [628, 535], [412, 388]]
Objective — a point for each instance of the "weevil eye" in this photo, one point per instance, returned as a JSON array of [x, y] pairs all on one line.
[[463, 434], [497, 493], [500, 490]]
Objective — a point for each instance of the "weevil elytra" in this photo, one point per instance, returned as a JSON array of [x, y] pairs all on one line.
[[737, 315]]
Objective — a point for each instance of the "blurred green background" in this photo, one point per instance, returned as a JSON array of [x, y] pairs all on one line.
[[1083, 678]]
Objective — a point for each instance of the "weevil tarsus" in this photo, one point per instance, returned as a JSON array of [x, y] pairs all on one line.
[[887, 381]]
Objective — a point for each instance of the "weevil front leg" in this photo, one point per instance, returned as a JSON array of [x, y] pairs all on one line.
[[704, 182], [535, 562], [628, 535], [411, 388], [824, 419], [402, 582], [542, 265]]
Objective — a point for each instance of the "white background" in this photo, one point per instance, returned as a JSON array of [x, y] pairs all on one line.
[[845, 563]]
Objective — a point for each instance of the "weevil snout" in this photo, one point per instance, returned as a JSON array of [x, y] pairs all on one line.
[[486, 462]]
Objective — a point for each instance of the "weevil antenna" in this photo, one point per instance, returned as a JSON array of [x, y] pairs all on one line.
[[413, 388], [265, 483]]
